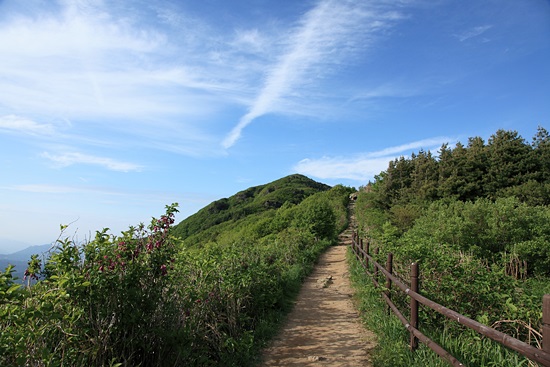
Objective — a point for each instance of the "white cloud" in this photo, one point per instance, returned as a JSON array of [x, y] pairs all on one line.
[[388, 90], [68, 159], [363, 167], [56, 189], [326, 35], [426, 144], [165, 80], [251, 41], [473, 32], [115, 70], [20, 124], [357, 169]]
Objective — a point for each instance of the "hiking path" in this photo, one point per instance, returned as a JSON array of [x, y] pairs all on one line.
[[324, 327]]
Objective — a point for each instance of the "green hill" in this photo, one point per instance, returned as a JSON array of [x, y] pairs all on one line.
[[254, 200], [211, 299]]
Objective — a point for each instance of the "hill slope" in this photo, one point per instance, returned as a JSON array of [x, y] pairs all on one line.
[[212, 301], [257, 199]]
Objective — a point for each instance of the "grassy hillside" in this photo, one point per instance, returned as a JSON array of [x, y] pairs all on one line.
[[254, 200], [148, 297]]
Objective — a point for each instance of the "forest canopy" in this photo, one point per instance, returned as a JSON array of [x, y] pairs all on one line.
[[505, 165]]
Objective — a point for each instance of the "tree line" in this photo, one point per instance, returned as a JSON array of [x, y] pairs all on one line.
[[505, 165]]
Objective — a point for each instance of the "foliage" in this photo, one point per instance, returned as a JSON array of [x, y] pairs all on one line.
[[478, 229], [483, 228], [106, 300], [393, 339], [499, 168], [146, 298], [254, 200]]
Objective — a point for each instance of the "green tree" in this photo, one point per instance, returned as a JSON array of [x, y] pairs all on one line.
[[394, 184], [509, 162], [424, 176], [452, 175], [475, 168], [541, 154], [445, 170]]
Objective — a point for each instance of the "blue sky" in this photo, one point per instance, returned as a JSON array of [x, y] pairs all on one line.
[[110, 110]]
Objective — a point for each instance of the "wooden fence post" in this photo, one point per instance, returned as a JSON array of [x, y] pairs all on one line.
[[414, 306], [375, 276], [546, 323], [361, 247], [389, 266], [367, 248]]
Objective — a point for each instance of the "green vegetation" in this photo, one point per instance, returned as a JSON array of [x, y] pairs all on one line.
[[291, 189], [476, 219], [393, 338], [211, 290], [149, 298]]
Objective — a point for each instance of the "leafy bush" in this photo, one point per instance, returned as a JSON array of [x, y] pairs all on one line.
[[146, 298], [393, 338], [486, 229], [481, 242], [108, 298]]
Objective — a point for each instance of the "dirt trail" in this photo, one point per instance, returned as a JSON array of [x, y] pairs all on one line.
[[324, 328]]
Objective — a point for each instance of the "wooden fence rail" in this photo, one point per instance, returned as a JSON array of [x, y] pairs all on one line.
[[361, 250]]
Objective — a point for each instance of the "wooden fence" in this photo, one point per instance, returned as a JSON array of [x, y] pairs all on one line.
[[361, 250]]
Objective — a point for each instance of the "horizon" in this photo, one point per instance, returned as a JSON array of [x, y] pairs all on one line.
[[114, 110]]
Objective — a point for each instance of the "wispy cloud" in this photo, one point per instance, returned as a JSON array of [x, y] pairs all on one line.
[[114, 193], [325, 35], [69, 159], [473, 32], [387, 90], [363, 167], [18, 124], [251, 40], [57, 189], [115, 70], [166, 79], [357, 169], [426, 144], [82, 64]]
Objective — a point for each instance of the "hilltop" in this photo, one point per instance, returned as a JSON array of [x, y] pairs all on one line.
[[254, 200]]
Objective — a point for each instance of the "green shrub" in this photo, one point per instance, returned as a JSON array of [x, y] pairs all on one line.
[[146, 298]]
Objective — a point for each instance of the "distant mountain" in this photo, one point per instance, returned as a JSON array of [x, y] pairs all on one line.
[[26, 253], [292, 189], [9, 245], [20, 258]]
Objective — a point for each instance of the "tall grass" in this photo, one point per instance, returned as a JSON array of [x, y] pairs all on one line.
[[393, 339]]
